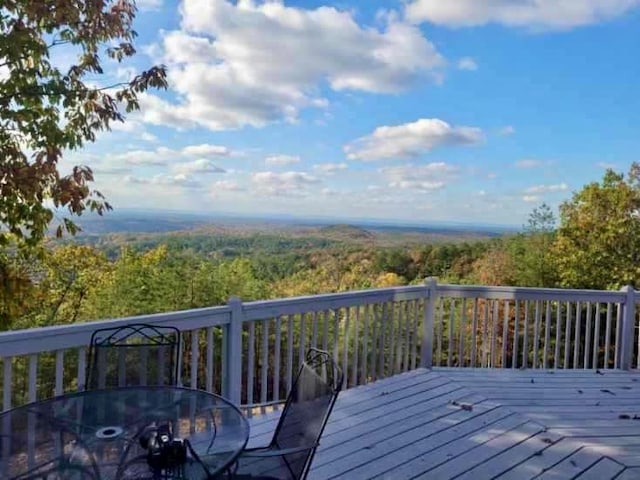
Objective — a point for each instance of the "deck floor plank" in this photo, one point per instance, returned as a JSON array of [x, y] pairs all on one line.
[[475, 424]]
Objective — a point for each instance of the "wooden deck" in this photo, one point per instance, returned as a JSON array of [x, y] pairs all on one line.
[[482, 424]]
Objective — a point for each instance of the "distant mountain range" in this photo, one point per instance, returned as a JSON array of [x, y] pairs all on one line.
[[157, 221]]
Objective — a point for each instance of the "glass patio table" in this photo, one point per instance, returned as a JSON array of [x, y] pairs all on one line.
[[97, 435]]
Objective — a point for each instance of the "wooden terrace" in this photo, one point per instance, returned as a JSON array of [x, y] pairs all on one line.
[[475, 424]]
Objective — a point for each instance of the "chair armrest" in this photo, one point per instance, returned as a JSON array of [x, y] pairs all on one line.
[[272, 452]]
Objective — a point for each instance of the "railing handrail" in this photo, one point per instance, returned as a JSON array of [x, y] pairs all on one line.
[[530, 293], [260, 309], [56, 337]]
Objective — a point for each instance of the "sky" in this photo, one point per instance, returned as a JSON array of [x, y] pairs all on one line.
[[413, 111]]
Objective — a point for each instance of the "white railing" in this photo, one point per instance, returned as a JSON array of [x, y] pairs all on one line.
[[249, 351]]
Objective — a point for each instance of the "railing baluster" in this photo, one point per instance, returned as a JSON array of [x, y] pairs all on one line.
[[195, 351], [607, 335], [474, 332], [251, 359], [485, 332], [567, 336], [58, 390], [536, 332], [494, 333], [336, 335], [122, 367], [413, 318], [547, 334], [461, 337], [374, 341], [302, 341], [587, 340], [365, 345], [596, 339], [209, 360], [264, 385], [505, 333], [578, 336], [401, 329], [556, 355], [383, 327], [33, 378], [439, 328], [314, 334], [290, 347], [82, 368], [345, 348], [618, 336], [276, 359], [354, 356], [325, 330], [7, 382], [637, 322], [450, 346], [224, 361], [525, 336], [516, 339], [392, 336]]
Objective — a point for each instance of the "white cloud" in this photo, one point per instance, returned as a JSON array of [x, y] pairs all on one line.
[[529, 163], [536, 14], [507, 130], [206, 150], [179, 180], [410, 139], [607, 165], [432, 176], [281, 160], [531, 198], [283, 184], [467, 63], [250, 63], [227, 185], [201, 165], [560, 187], [148, 137], [329, 168], [164, 155], [145, 5]]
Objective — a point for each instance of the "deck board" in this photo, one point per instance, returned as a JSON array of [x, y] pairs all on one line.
[[474, 424]]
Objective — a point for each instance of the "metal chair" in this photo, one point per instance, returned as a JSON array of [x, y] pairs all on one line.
[[133, 355], [305, 414]]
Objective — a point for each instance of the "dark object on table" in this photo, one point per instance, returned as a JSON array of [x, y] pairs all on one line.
[[305, 414], [164, 451], [136, 354]]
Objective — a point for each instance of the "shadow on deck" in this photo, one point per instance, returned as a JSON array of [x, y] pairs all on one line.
[[482, 424]]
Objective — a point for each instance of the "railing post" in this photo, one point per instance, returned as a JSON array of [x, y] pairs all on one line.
[[628, 328], [426, 349], [232, 381]]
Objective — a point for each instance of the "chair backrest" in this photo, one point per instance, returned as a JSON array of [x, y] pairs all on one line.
[[133, 355], [307, 409]]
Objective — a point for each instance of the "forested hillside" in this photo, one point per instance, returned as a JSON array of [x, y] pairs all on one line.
[[595, 243]]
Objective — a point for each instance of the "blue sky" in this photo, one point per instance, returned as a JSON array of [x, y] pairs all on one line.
[[418, 111]]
